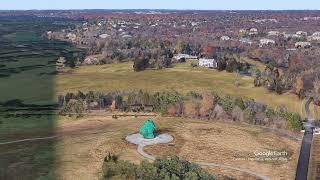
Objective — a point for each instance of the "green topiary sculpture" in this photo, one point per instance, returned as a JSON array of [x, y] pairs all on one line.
[[147, 130]]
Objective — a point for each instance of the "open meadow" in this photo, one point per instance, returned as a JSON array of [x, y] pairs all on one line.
[[194, 140], [182, 78]]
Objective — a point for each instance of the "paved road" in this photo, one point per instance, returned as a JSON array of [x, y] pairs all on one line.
[[303, 162]]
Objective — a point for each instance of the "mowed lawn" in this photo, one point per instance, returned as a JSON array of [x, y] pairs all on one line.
[[182, 78]]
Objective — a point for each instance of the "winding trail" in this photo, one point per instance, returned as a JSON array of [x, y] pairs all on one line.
[[141, 151], [90, 126], [30, 139]]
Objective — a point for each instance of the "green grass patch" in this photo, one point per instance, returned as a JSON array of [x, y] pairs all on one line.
[[182, 78]]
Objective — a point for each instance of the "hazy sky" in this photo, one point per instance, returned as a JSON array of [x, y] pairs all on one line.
[[161, 4]]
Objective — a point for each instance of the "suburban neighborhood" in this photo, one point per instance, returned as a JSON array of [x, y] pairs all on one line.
[[159, 90]]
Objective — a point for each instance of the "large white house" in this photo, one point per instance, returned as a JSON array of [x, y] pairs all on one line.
[[209, 63]]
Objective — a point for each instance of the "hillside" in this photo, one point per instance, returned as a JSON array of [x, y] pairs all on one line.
[[182, 78]]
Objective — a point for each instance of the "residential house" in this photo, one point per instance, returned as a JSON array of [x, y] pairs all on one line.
[[245, 41], [302, 33], [209, 63], [302, 44], [253, 31], [266, 42], [225, 38], [314, 37], [292, 36], [184, 57], [273, 33], [104, 36]]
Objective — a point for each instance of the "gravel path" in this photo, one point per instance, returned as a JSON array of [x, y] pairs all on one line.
[[166, 138]]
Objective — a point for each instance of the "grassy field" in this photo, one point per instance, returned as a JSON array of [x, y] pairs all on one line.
[[85, 142], [182, 78]]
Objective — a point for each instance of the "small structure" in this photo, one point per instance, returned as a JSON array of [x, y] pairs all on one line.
[[104, 36], [209, 63], [302, 33], [225, 38], [317, 33], [60, 64], [126, 36], [71, 36], [242, 31], [253, 31], [148, 129], [302, 44], [273, 33], [148, 108], [266, 42], [147, 137], [314, 37], [184, 57], [92, 60], [245, 41], [141, 107]]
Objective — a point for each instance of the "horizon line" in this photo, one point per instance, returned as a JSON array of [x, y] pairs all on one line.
[[161, 9]]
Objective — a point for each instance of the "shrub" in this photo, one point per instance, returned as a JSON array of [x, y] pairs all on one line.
[[294, 121], [163, 100], [270, 113], [140, 64], [112, 167], [193, 95], [227, 103], [141, 97], [173, 168], [194, 64], [239, 102], [73, 107], [249, 116]]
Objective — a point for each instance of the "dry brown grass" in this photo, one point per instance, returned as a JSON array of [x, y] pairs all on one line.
[[183, 78], [81, 155]]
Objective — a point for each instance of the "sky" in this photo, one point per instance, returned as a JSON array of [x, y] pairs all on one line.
[[162, 4]]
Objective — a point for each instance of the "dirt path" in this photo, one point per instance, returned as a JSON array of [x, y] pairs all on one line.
[[82, 127], [141, 151]]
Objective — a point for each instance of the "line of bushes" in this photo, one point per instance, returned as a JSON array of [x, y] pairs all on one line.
[[172, 168], [211, 106]]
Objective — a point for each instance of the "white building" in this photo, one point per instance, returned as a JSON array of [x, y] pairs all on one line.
[[253, 31], [104, 36], [266, 42], [314, 37], [292, 36], [209, 63], [316, 33], [245, 41], [184, 56], [302, 44], [302, 33], [273, 33], [126, 36], [225, 38]]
